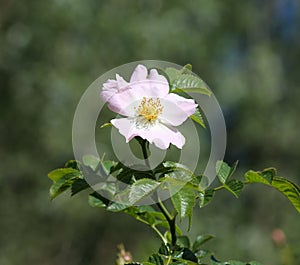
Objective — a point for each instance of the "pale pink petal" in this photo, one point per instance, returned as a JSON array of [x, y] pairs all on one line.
[[126, 127], [159, 135], [176, 109], [154, 75], [162, 136], [139, 73], [187, 105], [124, 101], [122, 84], [111, 87]]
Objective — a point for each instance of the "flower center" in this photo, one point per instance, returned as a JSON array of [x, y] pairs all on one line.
[[148, 112]]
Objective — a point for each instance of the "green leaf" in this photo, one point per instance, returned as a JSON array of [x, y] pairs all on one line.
[[79, 185], [266, 176], [63, 183], [197, 117], [60, 172], [141, 189], [189, 83], [96, 200], [183, 254], [224, 171], [117, 207], [72, 164], [156, 259], [234, 186], [200, 254], [289, 189], [107, 166], [286, 187], [164, 250], [172, 74], [206, 197], [187, 69], [184, 201], [183, 241], [200, 240], [91, 161]]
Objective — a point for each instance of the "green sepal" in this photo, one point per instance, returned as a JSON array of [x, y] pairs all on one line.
[[197, 117]]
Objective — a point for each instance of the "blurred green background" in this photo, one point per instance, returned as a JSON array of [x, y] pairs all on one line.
[[50, 51]]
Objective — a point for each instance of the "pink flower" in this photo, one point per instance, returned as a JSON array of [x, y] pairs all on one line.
[[149, 110]]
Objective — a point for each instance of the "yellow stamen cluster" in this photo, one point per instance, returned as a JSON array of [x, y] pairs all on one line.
[[148, 111], [150, 108]]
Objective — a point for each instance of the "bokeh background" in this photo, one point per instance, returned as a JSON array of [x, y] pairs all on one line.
[[50, 51]]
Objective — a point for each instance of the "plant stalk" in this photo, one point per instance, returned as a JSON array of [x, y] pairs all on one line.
[[171, 220]]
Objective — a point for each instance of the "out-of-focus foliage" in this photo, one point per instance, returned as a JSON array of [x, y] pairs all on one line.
[[50, 51]]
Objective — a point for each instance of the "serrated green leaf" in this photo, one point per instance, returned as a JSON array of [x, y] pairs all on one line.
[[141, 189], [266, 176], [206, 197], [156, 259], [96, 200], [91, 161], [189, 83], [60, 172], [184, 201], [72, 164], [117, 207], [185, 254], [200, 240], [164, 250], [107, 166], [224, 171], [289, 189], [79, 185], [197, 117], [183, 241], [234, 186], [172, 74], [187, 69], [286, 187], [63, 183]]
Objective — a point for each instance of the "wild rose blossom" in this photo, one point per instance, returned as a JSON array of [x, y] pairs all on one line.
[[149, 110]]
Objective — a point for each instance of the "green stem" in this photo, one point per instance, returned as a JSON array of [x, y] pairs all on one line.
[[160, 235], [145, 154], [171, 220]]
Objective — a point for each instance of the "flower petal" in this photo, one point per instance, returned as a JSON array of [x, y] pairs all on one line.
[[125, 101], [111, 87], [187, 105], [139, 73], [125, 126], [159, 135], [162, 136], [176, 109], [154, 75]]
